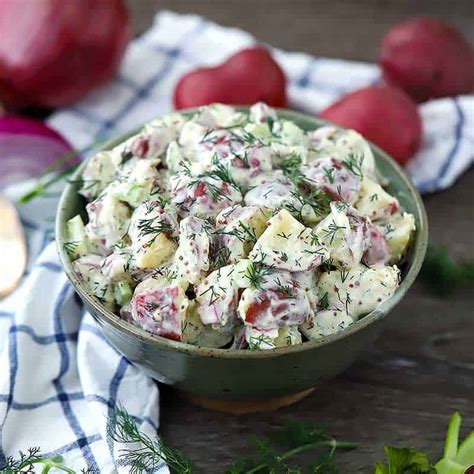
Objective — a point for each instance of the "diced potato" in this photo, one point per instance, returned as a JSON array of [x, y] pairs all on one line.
[[349, 141], [240, 227], [399, 230], [269, 309], [265, 340], [173, 157], [374, 201], [77, 244], [154, 254], [219, 115], [340, 144], [88, 268], [118, 266], [108, 222], [199, 334], [142, 180], [153, 234], [261, 113], [99, 172], [287, 244], [357, 291], [326, 322], [288, 336], [292, 134], [260, 340], [218, 294], [344, 245], [159, 306], [192, 255]]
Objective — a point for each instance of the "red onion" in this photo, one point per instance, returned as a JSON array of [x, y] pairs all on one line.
[[28, 147], [53, 52]]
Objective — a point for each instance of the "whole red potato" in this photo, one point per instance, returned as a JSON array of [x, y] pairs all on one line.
[[384, 115], [53, 52], [249, 76], [427, 58]]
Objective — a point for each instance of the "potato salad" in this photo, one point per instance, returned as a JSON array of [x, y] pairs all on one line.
[[238, 230]]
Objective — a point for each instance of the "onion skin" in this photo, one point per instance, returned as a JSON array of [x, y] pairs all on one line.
[[427, 58], [53, 52], [384, 115], [28, 147]]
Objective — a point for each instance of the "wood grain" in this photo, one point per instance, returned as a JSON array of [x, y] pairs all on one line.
[[403, 390]]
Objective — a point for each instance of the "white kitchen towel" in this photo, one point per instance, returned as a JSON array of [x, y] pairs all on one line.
[[59, 379]]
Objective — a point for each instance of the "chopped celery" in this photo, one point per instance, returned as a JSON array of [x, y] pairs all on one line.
[[456, 461], [77, 244], [123, 293]]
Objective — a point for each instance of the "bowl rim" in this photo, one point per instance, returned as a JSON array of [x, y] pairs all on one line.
[[419, 251]]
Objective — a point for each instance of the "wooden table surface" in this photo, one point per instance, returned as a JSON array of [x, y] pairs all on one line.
[[404, 388]]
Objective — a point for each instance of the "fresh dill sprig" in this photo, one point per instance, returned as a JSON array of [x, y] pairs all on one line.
[[443, 274], [353, 162], [154, 227], [273, 453], [305, 192], [291, 168], [150, 453], [221, 171], [256, 343], [242, 232], [324, 301], [27, 459], [70, 247], [255, 273], [219, 256], [331, 231]]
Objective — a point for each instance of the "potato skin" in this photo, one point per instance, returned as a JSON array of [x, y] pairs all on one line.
[[384, 115], [249, 76], [428, 59]]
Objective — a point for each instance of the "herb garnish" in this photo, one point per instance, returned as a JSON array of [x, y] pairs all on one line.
[[154, 227], [256, 272], [273, 453], [353, 162], [443, 274], [153, 451]]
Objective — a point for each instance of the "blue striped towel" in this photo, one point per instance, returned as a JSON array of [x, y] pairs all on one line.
[[59, 379]]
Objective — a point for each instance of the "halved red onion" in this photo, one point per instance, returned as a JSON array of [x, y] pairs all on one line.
[[28, 147]]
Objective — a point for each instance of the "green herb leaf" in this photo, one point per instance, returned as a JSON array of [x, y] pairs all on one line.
[[273, 453], [444, 275], [144, 454], [405, 461]]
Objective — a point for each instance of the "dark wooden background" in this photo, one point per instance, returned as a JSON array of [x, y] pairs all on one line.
[[403, 390]]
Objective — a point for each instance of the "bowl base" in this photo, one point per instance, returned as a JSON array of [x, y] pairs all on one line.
[[244, 407]]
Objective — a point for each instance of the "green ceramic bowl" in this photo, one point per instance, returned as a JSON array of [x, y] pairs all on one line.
[[250, 375]]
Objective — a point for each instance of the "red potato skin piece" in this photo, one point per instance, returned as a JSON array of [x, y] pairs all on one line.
[[384, 115], [428, 59], [249, 76], [53, 52]]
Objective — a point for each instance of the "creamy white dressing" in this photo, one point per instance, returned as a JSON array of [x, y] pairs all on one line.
[[228, 229]]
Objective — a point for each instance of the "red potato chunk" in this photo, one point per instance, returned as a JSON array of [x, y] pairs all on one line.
[[332, 177], [375, 248], [202, 196], [271, 309], [378, 251], [159, 310]]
